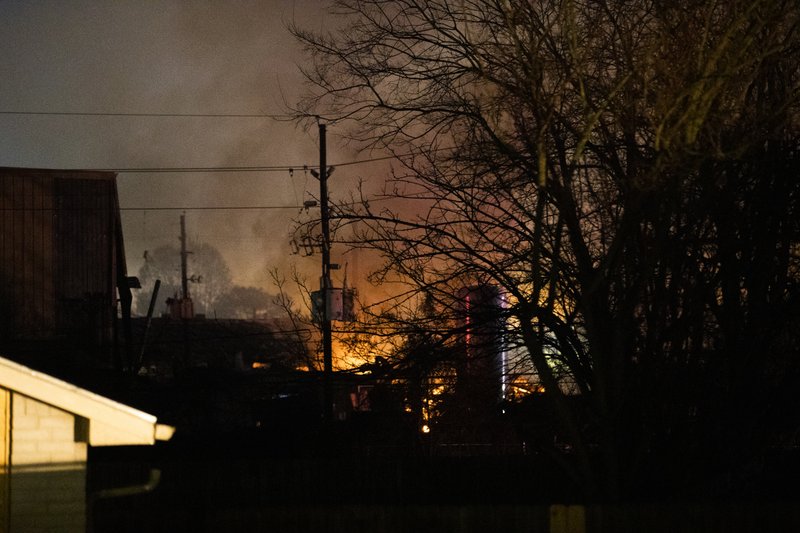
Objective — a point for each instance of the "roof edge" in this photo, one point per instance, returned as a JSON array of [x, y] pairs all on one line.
[[59, 173], [132, 425]]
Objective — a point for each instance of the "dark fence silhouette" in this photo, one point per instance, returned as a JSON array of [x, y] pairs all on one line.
[[233, 489]]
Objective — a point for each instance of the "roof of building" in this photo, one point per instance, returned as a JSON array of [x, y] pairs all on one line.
[[110, 423]]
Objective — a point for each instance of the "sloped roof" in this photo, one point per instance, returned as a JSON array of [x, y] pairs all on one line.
[[110, 423]]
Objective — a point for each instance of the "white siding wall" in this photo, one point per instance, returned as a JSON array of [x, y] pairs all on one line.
[[48, 480]]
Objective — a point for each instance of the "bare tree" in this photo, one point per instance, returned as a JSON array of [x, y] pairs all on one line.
[[625, 171], [247, 303], [209, 274], [297, 322]]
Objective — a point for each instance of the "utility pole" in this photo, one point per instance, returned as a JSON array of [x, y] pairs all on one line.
[[184, 254], [185, 306], [325, 280]]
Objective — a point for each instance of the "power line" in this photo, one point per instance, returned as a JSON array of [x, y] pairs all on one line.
[[167, 170], [274, 116], [265, 168], [372, 160], [156, 208], [214, 208], [151, 115]]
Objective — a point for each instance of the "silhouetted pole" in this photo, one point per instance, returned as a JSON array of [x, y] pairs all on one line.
[[325, 281], [185, 309], [151, 308], [184, 254]]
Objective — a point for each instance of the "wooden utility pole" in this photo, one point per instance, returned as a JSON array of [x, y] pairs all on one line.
[[184, 254], [325, 280]]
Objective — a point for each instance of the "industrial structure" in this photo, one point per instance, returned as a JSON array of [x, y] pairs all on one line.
[[482, 373]]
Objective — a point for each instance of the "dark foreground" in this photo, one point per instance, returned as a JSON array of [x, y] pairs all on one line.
[[235, 484]]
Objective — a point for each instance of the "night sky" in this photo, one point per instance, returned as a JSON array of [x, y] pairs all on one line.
[[174, 57]]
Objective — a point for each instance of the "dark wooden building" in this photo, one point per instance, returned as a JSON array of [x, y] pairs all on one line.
[[62, 261]]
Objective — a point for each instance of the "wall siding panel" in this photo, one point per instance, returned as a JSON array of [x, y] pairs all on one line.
[[57, 249]]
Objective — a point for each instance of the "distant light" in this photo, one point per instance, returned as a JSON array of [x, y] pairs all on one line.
[[425, 428]]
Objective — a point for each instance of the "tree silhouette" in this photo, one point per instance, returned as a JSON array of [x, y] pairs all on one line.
[[247, 303], [625, 172], [207, 268]]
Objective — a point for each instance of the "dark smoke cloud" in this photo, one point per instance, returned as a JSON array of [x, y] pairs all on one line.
[[171, 57]]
